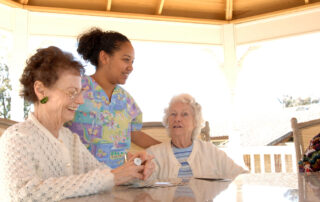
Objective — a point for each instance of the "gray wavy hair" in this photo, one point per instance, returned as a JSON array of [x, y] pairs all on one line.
[[197, 113]]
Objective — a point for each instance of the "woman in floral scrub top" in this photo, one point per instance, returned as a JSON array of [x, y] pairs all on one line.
[[109, 119]]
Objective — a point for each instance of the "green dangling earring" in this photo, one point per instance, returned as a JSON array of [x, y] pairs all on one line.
[[44, 100]]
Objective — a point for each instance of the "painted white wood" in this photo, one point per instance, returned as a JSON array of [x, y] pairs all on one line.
[[229, 45], [283, 163], [262, 166], [273, 167], [277, 27], [6, 17], [253, 170], [135, 29], [268, 150]]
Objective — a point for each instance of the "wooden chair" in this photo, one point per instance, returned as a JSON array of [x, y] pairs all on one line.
[[302, 134], [205, 132], [4, 124], [157, 131]]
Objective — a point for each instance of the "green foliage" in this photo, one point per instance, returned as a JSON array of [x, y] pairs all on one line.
[[289, 101], [26, 108], [5, 88]]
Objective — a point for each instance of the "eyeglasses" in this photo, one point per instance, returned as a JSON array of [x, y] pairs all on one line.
[[73, 93]]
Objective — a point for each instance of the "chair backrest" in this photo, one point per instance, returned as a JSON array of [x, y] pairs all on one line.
[[302, 134], [154, 129], [157, 131], [205, 132], [4, 124]]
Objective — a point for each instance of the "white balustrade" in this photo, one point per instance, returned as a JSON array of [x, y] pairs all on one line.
[[271, 151]]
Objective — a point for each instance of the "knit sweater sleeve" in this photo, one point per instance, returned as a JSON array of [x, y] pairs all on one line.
[[226, 166], [88, 160], [21, 174], [155, 173]]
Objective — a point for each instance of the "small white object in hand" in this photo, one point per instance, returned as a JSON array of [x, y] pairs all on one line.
[[137, 161]]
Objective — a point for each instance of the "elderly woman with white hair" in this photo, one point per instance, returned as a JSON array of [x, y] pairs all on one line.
[[186, 156]]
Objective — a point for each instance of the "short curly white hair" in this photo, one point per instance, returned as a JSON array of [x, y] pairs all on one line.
[[197, 115]]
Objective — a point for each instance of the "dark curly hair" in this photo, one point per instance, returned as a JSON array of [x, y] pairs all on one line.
[[95, 40], [46, 66]]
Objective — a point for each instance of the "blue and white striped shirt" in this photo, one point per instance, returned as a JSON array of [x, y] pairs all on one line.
[[182, 155]]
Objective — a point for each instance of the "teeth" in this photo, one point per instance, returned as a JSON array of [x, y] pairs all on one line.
[[73, 108]]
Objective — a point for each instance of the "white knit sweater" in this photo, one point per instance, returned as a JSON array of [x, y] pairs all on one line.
[[205, 160], [36, 166]]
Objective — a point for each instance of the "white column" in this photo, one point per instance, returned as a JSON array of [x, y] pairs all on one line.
[[230, 70], [230, 59], [18, 59]]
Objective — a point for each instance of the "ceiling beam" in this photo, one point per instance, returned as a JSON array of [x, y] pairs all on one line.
[[122, 15], [13, 4], [229, 9], [160, 7], [24, 2], [108, 5]]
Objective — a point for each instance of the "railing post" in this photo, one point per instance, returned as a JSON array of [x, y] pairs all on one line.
[[262, 163], [270, 150], [272, 163], [252, 163], [283, 162], [294, 162]]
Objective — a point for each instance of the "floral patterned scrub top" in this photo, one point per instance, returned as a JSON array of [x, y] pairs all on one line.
[[104, 127]]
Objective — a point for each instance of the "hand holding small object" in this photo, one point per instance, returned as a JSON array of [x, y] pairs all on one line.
[[137, 161]]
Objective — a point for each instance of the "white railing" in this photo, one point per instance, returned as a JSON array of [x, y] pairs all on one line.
[[257, 159]]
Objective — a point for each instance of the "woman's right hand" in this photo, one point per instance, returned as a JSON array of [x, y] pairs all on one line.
[[127, 172], [146, 161]]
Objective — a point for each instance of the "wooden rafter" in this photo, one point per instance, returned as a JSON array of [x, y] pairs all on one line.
[[120, 15], [160, 7], [24, 2], [229, 9], [17, 4], [108, 5]]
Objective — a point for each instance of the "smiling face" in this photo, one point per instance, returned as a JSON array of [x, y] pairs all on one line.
[[181, 120], [65, 96], [119, 65]]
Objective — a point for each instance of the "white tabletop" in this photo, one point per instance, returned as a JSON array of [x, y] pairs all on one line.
[[269, 187]]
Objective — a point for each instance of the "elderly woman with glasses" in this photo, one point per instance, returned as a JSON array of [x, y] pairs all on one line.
[[186, 156], [40, 159]]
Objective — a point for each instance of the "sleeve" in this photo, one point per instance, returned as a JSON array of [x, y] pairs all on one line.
[[19, 174], [136, 122], [155, 175], [227, 167], [89, 161]]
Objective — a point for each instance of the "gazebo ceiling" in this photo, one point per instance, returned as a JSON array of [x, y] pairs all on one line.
[[206, 11]]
